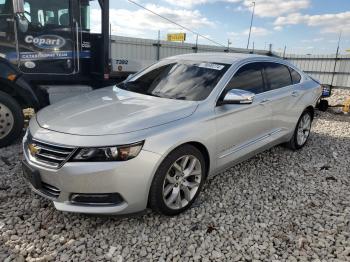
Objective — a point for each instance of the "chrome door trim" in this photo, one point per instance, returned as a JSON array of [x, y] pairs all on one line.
[[235, 150]]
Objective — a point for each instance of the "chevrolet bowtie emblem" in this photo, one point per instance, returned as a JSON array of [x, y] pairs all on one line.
[[33, 149]]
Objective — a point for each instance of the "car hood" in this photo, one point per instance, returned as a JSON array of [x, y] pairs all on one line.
[[111, 111]]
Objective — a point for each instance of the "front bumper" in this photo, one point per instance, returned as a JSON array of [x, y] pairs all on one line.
[[130, 179]]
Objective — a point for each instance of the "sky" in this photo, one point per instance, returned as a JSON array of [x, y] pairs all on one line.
[[303, 26]]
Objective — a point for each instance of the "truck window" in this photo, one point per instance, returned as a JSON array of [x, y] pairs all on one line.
[[50, 13], [5, 7], [63, 15], [27, 11], [85, 16]]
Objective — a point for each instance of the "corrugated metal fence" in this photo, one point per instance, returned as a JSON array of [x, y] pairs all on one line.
[[143, 52], [328, 69]]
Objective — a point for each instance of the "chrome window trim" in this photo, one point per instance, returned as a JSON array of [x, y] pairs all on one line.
[[238, 66]]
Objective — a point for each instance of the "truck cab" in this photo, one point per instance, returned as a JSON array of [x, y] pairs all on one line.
[[47, 53]]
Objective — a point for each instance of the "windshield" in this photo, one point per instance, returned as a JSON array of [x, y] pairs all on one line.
[[183, 80]]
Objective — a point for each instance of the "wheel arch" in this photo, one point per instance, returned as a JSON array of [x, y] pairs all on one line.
[[20, 91], [198, 145], [310, 109], [203, 149]]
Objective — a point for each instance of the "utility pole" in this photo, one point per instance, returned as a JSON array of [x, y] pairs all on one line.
[[196, 48], [251, 25], [336, 58], [284, 52], [228, 45]]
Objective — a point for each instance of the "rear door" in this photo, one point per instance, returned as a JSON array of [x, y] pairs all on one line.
[[284, 93], [243, 128], [48, 44]]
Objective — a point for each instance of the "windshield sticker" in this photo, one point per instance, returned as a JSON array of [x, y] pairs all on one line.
[[211, 66]]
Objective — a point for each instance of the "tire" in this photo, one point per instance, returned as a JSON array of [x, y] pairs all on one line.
[[323, 105], [11, 119], [170, 177], [295, 143]]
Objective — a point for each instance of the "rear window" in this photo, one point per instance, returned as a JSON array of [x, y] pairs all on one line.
[[277, 75], [296, 77]]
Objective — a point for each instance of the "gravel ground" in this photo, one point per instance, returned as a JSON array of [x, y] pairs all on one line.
[[280, 205]]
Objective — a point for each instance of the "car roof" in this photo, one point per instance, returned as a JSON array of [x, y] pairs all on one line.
[[226, 58]]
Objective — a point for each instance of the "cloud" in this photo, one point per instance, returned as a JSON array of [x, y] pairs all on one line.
[[256, 32], [329, 23], [192, 3], [263, 8], [314, 40], [141, 22], [278, 28], [274, 8]]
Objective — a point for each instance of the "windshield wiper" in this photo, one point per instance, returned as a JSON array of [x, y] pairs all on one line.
[[156, 94], [181, 98]]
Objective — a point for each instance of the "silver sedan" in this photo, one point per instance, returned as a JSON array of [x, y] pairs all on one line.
[[153, 140]]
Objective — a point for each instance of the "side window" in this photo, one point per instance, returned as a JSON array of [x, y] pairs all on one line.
[[249, 78], [63, 17], [41, 17], [277, 75], [296, 77]]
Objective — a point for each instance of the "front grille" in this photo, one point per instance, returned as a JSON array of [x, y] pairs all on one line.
[[50, 190], [46, 154]]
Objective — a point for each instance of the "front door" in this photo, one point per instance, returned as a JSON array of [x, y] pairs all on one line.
[[47, 38], [243, 128]]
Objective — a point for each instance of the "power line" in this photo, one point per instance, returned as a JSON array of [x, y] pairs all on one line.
[[173, 22]]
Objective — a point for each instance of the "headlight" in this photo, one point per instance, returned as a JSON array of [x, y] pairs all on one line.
[[103, 154]]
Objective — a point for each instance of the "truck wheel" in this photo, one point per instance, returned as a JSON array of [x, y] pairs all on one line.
[[11, 119]]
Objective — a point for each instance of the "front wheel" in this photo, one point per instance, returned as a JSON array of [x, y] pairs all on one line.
[[178, 181], [301, 132], [11, 119]]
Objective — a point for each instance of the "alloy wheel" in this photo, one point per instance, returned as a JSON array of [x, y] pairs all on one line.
[[304, 128], [182, 182]]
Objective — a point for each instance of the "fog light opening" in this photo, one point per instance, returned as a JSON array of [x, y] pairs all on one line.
[[105, 199]]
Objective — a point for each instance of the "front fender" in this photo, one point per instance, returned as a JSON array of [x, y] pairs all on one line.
[[13, 83]]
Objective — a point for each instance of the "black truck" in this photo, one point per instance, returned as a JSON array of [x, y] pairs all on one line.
[[48, 52]]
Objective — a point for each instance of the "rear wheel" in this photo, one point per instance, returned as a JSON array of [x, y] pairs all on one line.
[[11, 119], [178, 181], [301, 132]]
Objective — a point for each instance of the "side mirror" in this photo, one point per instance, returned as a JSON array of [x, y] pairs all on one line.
[[22, 23], [237, 96], [18, 6]]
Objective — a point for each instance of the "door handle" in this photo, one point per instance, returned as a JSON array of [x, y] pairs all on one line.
[[295, 93]]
